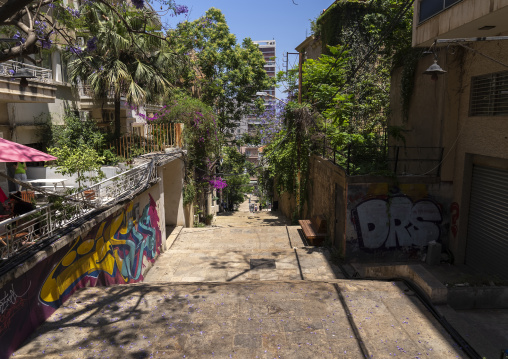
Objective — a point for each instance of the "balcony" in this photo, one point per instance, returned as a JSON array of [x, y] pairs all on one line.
[[88, 102], [40, 88], [450, 19]]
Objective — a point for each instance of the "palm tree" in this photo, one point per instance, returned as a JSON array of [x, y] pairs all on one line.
[[124, 56]]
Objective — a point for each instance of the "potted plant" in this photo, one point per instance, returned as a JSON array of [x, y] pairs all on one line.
[[209, 219]]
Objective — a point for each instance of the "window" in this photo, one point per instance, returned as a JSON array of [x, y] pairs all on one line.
[[429, 8], [489, 95]]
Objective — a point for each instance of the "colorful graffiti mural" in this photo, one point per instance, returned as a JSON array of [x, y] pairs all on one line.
[[116, 251], [113, 252], [396, 222]]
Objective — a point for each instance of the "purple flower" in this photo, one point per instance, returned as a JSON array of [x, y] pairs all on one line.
[[181, 9], [74, 12], [76, 50], [18, 36], [138, 4], [91, 44], [46, 44]]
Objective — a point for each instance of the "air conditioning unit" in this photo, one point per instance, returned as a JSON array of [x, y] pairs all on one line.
[[80, 41]]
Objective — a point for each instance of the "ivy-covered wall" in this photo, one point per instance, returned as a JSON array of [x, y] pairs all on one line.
[[338, 19]]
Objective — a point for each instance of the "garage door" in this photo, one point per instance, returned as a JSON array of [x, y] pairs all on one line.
[[487, 238]]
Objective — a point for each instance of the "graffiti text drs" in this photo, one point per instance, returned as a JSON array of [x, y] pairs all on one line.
[[398, 222]]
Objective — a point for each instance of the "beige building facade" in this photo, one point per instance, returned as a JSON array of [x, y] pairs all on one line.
[[464, 111]]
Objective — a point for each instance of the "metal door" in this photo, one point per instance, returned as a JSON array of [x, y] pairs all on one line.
[[487, 235]]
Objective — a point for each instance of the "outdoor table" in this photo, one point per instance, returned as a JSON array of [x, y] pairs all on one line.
[[53, 181]]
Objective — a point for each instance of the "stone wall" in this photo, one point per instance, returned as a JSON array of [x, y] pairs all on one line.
[[326, 194]]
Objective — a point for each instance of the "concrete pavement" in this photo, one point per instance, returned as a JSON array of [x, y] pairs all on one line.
[[262, 319], [243, 291]]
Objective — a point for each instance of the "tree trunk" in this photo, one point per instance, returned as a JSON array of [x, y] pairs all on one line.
[[117, 116]]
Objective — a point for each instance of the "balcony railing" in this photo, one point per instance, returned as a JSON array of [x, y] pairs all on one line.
[[148, 138], [86, 91], [10, 67], [388, 160], [429, 8], [20, 233]]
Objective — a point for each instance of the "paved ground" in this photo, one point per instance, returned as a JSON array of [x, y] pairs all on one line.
[[235, 291], [242, 320], [227, 254]]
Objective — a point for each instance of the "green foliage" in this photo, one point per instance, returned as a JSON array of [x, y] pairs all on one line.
[[223, 74], [189, 192], [78, 144], [288, 154], [253, 139], [83, 160], [115, 68], [73, 133], [409, 66], [237, 171], [202, 140]]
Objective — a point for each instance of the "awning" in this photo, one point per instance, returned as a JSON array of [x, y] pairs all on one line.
[[15, 152]]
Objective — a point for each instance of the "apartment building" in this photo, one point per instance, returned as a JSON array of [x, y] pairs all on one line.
[[465, 111], [249, 123], [49, 92]]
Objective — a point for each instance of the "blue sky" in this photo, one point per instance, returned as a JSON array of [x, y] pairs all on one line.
[[281, 20]]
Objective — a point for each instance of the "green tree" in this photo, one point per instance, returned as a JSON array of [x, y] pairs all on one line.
[[78, 144], [223, 74], [118, 62], [83, 161], [236, 170], [202, 141], [40, 24]]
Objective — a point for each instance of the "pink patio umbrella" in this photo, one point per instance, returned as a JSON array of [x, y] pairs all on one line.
[[15, 152]]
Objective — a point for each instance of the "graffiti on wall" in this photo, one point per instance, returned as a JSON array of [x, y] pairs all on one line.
[[454, 211], [113, 253], [10, 303], [396, 222]]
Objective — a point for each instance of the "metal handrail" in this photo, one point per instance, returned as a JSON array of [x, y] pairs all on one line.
[[109, 190], [384, 159], [24, 230]]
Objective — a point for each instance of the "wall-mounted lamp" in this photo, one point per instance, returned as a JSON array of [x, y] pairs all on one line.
[[434, 70]]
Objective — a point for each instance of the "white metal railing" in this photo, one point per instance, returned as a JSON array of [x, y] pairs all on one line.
[[10, 67], [109, 190], [22, 231], [85, 90]]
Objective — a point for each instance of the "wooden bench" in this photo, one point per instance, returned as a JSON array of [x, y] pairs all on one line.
[[314, 230]]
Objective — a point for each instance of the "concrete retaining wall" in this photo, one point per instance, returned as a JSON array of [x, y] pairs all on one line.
[[117, 246], [368, 216]]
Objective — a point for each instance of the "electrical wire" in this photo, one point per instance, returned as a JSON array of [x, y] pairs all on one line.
[[447, 153], [482, 54]]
